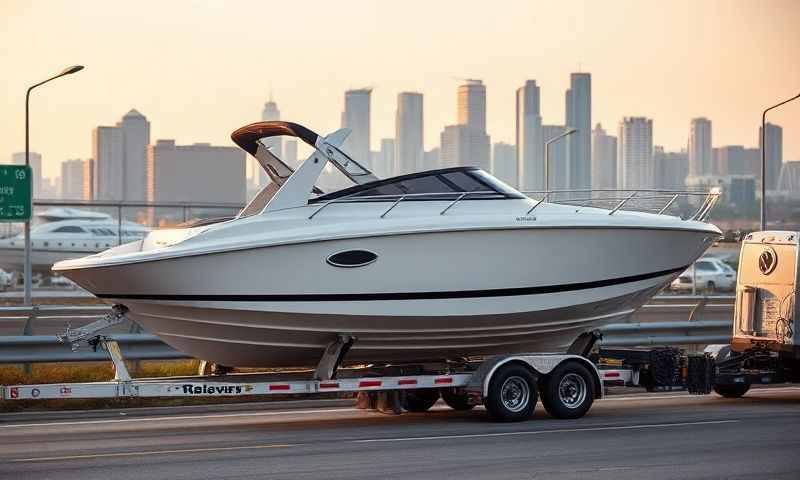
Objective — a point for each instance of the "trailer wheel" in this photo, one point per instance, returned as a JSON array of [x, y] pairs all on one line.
[[735, 390], [456, 400], [568, 391], [420, 400], [512, 394]]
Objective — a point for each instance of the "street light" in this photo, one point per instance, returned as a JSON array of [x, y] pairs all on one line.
[[27, 270], [764, 160], [547, 157]]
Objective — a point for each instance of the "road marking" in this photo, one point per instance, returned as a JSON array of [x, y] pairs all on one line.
[[542, 432], [183, 417], [153, 452]]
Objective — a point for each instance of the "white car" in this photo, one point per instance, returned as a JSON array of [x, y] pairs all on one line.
[[6, 279], [712, 274]]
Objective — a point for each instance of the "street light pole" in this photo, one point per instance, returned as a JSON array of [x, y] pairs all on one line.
[[547, 157], [764, 160], [27, 270]]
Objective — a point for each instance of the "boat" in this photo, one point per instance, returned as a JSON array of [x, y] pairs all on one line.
[[62, 233], [443, 264]]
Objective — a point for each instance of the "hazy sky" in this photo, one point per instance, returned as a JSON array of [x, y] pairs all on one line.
[[199, 70]]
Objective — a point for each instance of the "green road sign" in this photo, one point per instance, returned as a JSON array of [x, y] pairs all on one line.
[[15, 193]]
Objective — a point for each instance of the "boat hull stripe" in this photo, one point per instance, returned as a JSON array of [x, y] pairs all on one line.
[[345, 297]]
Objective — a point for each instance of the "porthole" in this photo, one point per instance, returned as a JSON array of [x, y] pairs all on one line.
[[352, 258]]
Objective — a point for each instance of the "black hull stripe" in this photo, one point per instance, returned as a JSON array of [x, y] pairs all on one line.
[[344, 297]]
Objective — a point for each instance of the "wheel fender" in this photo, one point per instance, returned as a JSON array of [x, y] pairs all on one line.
[[541, 364]]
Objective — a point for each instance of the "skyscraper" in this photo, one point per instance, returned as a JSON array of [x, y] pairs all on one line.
[[432, 159], [356, 117], [736, 160], [579, 117], [530, 147], [789, 181], [604, 159], [635, 153], [136, 138], [464, 146], [559, 168], [270, 113], [384, 161], [410, 151], [36, 167], [774, 153], [120, 159], [670, 169], [504, 162], [72, 179], [467, 144], [700, 158], [108, 151], [472, 105]]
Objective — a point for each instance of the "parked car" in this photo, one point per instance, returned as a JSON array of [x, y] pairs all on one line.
[[59, 281], [712, 275]]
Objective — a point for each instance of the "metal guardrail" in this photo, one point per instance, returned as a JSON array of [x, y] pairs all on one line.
[[28, 348]]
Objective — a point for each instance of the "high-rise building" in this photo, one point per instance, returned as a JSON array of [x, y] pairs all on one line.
[[472, 105], [356, 117], [197, 173], [789, 181], [670, 169], [120, 159], [36, 168], [736, 160], [464, 146], [559, 165], [530, 147], [432, 159], [701, 162], [604, 159], [72, 179], [270, 113], [108, 152], [290, 153], [774, 153], [579, 117], [136, 138], [635, 167], [384, 164], [504, 162], [88, 180], [467, 144], [410, 152]]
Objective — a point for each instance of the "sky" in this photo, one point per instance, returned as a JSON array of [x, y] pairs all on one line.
[[200, 69]]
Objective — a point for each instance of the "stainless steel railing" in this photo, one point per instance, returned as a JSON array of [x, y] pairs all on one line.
[[661, 200]]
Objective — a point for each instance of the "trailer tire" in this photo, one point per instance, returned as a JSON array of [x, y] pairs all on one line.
[[568, 391], [455, 400], [512, 394], [420, 400], [736, 390]]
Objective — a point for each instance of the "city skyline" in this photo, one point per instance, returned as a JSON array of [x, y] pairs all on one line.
[[162, 78]]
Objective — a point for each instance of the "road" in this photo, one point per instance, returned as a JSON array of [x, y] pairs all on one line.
[[651, 436]]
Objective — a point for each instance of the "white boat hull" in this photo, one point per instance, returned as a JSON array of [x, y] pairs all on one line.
[[508, 290]]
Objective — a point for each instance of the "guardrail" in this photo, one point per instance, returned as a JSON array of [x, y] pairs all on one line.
[[28, 348]]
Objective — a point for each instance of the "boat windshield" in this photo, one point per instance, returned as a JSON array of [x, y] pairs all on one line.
[[444, 184]]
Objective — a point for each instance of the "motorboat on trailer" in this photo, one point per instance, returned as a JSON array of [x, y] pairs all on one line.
[[441, 264]]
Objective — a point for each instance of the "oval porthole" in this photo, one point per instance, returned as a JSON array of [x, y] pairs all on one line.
[[352, 258]]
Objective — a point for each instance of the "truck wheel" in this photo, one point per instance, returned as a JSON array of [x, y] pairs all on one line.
[[568, 391], [735, 390], [420, 400], [512, 394], [456, 400]]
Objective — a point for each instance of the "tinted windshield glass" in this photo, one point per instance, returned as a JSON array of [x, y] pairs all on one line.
[[447, 183]]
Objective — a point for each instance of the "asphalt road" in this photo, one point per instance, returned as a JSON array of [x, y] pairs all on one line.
[[648, 436]]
